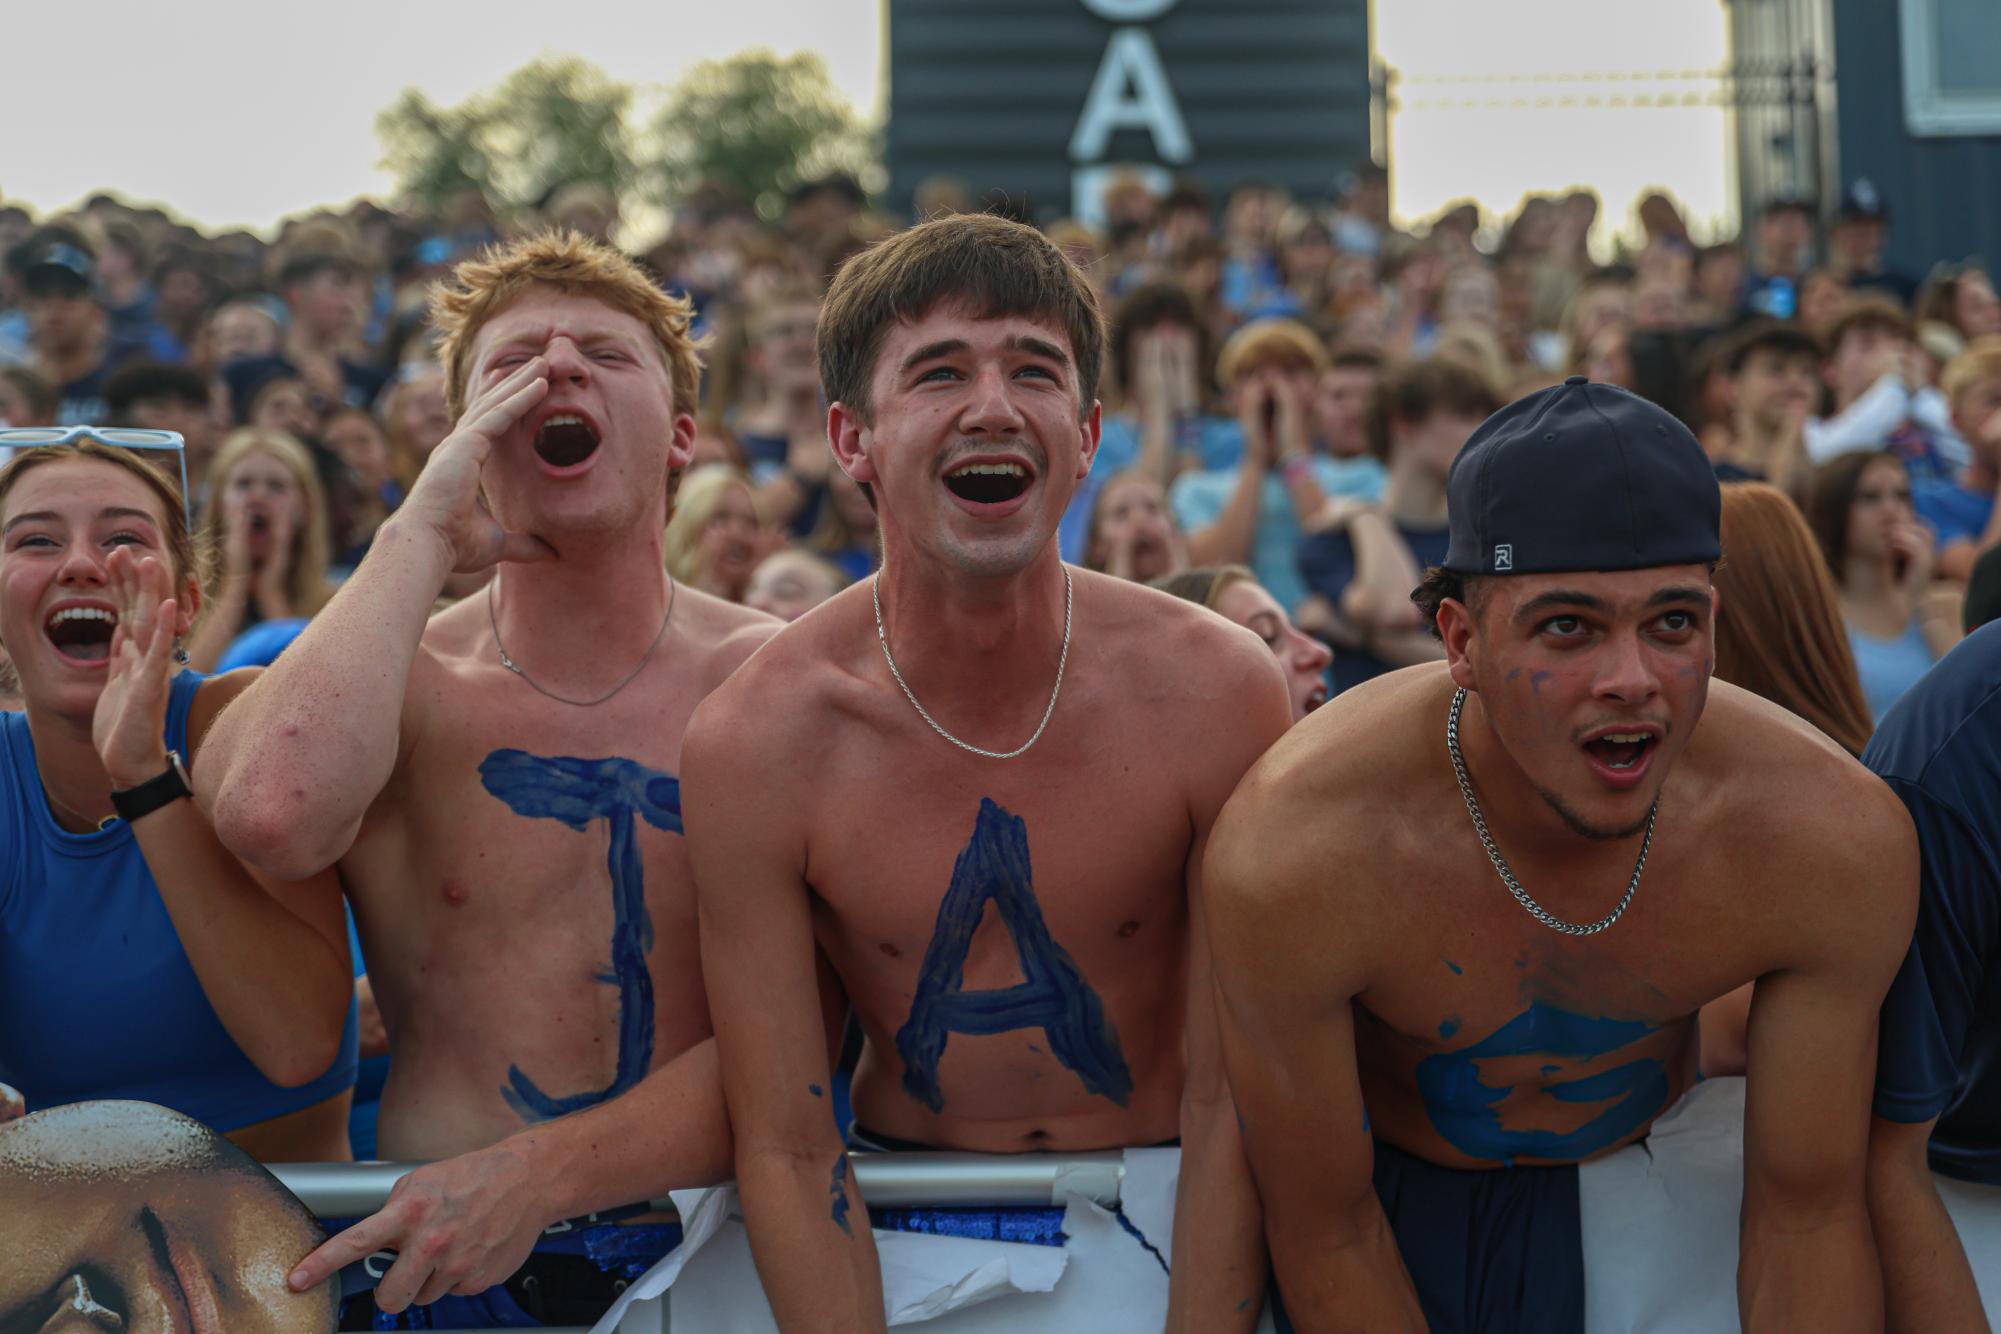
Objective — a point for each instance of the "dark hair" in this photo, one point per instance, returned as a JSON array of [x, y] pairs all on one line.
[[999, 268], [140, 380], [1438, 584], [1832, 497], [1412, 392], [1781, 336], [1356, 357], [1143, 308], [1874, 310]]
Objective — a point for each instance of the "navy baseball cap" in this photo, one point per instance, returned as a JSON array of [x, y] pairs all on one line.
[[1863, 200], [1581, 477]]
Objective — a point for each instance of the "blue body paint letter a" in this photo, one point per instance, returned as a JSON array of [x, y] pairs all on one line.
[[1054, 997]]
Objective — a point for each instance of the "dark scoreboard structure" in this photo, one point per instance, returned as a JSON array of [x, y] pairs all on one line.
[[1044, 99]]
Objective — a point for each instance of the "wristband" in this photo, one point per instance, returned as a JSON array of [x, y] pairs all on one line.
[[1294, 468], [151, 795]]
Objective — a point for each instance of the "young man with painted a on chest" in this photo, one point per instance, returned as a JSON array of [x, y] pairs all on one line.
[[499, 783], [1011, 928], [1370, 950]]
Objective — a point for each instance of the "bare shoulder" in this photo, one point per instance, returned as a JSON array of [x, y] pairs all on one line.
[[725, 634], [1338, 789], [1790, 797], [807, 666], [1165, 643], [1353, 757]]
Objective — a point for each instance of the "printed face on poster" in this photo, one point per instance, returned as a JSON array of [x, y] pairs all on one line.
[[127, 1217]]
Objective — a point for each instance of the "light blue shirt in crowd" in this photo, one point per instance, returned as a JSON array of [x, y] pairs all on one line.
[[1889, 667], [1199, 498]]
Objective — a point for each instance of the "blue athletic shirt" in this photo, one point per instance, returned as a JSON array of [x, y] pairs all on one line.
[[97, 997], [1940, 751]]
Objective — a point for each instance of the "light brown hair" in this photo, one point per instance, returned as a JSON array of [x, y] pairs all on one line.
[[996, 267], [1205, 586], [1287, 345], [184, 553], [1980, 361], [1779, 632], [481, 288], [1873, 311]]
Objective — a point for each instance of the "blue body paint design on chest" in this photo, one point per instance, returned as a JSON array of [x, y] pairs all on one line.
[[1466, 1111], [1054, 997], [580, 792]]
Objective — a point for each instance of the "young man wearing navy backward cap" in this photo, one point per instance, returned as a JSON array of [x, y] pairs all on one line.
[[1485, 900]]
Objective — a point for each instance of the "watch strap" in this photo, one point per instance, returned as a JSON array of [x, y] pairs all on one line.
[[149, 796]]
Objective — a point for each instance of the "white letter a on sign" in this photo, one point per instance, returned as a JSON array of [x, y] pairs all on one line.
[[1131, 93]]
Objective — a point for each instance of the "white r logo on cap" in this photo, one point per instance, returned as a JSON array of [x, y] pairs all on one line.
[[1504, 556]]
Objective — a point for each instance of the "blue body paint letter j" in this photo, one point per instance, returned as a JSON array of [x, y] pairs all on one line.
[[580, 792], [1053, 997]]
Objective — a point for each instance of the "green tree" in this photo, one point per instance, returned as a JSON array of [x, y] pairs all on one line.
[[550, 122], [759, 123]]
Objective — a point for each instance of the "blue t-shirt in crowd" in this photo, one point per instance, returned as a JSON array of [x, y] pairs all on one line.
[[1889, 667], [1940, 1055], [1954, 513], [1327, 562], [1198, 499], [1214, 442], [260, 645]]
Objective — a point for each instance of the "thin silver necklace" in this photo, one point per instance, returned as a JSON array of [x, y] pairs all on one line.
[[1535, 910], [673, 589], [875, 593]]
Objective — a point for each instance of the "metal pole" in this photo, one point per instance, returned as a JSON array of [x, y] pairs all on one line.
[[902, 1180]]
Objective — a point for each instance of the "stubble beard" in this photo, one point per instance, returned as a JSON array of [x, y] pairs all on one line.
[[1583, 828]]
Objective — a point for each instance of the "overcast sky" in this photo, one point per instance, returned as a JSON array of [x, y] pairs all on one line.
[[235, 112], [238, 112]]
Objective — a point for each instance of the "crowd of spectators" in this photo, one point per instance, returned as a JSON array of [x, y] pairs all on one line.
[[1287, 385], [1288, 382]]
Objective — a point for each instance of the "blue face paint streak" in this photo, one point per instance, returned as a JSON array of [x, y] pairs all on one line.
[[1535, 682], [1055, 997], [1448, 1028], [579, 793], [839, 1192], [1465, 1111], [1456, 969]]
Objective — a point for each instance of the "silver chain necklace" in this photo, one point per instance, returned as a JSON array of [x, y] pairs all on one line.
[[1535, 910], [875, 593], [673, 590]]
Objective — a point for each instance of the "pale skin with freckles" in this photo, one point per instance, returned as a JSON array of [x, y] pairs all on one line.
[[486, 932], [1776, 858], [826, 834], [274, 966]]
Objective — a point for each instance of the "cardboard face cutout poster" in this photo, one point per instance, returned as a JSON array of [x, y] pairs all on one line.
[[127, 1218]]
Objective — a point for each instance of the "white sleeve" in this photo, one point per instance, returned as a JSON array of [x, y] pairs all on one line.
[[1865, 425]]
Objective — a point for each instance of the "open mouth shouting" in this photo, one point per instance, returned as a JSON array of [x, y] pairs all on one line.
[[1620, 756], [565, 441], [81, 632], [989, 486]]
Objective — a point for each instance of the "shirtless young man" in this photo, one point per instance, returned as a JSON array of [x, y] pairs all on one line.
[[1369, 954], [1012, 929], [506, 821]]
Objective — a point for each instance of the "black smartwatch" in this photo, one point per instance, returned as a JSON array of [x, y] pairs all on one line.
[[154, 793]]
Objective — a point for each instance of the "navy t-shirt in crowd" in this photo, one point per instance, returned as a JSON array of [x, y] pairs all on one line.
[[1940, 751], [1327, 563]]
